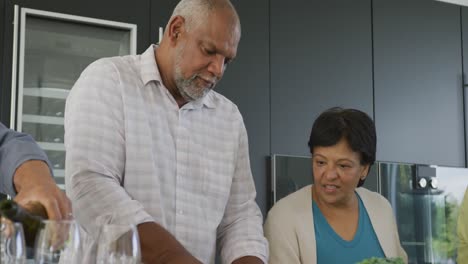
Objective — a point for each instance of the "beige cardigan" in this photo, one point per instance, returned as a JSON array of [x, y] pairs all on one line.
[[289, 227]]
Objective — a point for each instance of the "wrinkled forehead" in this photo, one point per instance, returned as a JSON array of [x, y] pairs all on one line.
[[221, 20], [222, 29]]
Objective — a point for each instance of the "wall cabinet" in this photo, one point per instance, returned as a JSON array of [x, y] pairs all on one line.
[[321, 56], [464, 25], [161, 11], [417, 72], [4, 100], [399, 61], [252, 64]]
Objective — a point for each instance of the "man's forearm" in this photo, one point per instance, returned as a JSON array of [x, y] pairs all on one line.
[[35, 184], [158, 246], [25, 173], [248, 260]]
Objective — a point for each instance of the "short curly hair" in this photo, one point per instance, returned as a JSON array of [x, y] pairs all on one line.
[[353, 125]]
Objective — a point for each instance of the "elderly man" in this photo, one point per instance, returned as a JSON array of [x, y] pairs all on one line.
[[150, 143], [26, 175]]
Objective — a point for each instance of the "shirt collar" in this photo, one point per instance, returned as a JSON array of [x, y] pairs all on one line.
[[148, 68], [149, 71], [208, 101]]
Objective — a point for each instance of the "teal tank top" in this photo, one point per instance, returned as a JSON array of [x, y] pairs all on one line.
[[332, 249]]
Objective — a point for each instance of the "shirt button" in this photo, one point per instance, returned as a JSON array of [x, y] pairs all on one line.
[[181, 212]]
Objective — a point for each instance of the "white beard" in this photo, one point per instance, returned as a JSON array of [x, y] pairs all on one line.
[[188, 88]]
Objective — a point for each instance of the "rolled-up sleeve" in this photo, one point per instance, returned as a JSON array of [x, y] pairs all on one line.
[[95, 151], [15, 149], [240, 232]]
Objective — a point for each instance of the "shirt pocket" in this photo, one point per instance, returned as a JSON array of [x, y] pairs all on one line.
[[217, 175]]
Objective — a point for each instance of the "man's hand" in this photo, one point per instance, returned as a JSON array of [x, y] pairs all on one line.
[[248, 260], [158, 246], [34, 183]]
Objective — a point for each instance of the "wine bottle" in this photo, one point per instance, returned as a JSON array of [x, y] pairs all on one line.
[[30, 218]]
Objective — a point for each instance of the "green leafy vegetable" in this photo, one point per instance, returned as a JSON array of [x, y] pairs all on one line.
[[382, 261]]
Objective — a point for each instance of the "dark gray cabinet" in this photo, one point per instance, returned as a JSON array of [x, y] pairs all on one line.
[[464, 14], [161, 11], [398, 60], [417, 82], [321, 56], [4, 100], [135, 12]]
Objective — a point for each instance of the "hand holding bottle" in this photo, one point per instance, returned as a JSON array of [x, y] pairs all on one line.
[[34, 183], [31, 222]]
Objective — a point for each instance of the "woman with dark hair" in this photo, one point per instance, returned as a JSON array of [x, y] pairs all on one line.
[[335, 220]]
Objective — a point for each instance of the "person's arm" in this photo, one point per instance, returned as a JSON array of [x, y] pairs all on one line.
[[95, 162], [35, 184], [248, 260], [283, 242], [159, 246], [26, 174], [15, 149], [240, 233]]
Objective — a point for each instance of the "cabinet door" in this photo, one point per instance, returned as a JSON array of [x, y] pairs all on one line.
[[4, 99], [134, 12], [161, 11], [418, 95], [321, 56], [464, 15]]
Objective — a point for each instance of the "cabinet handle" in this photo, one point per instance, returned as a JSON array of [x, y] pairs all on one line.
[[161, 33], [465, 120], [14, 68]]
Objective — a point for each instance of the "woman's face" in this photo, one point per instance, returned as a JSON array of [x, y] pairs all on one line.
[[337, 170]]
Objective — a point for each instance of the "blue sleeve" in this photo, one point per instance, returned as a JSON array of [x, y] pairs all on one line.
[[16, 148]]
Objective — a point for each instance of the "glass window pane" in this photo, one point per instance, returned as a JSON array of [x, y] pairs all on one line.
[[56, 51]]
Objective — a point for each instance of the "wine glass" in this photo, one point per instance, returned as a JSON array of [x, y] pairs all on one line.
[[12, 243], [58, 242], [118, 244]]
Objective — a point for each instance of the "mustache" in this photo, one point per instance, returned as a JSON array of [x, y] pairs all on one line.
[[212, 79]]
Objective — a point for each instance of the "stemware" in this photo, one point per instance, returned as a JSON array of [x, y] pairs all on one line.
[[12, 243], [118, 244], [58, 242]]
